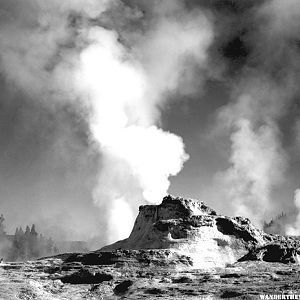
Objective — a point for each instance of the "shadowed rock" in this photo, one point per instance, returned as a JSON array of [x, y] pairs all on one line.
[[86, 276], [143, 257], [273, 253], [123, 287], [94, 258], [230, 294]]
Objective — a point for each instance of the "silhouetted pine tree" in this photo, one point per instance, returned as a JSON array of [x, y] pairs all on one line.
[[33, 243], [17, 251], [14, 253], [2, 226], [29, 245], [4, 242], [22, 252]]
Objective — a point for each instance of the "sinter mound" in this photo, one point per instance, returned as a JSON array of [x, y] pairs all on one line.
[[190, 228]]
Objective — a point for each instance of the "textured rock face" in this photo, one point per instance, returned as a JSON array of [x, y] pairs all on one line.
[[191, 228]]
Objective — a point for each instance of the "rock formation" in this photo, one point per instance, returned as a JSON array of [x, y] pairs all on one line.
[[191, 228]]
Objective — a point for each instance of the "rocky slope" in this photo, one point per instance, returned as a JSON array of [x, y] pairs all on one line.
[[180, 249]]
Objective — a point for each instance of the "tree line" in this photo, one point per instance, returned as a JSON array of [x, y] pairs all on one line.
[[278, 224], [24, 245]]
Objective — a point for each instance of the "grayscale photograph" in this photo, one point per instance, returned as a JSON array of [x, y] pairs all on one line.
[[149, 149]]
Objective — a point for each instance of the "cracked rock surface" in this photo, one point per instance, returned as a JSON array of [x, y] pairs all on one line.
[[46, 279]]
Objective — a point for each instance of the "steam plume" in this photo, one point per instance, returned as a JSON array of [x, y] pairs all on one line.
[[295, 228], [257, 159], [57, 53], [261, 97], [126, 90]]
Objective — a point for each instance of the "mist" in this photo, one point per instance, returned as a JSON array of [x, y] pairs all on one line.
[[262, 60]]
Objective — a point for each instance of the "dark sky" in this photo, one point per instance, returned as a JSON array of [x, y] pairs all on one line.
[[91, 92]]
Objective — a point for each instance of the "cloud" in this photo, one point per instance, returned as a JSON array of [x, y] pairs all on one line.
[[294, 229]]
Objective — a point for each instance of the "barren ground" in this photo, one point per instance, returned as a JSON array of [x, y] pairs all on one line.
[[44, 280]]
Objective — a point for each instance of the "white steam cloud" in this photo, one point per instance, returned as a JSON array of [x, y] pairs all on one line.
[[126, 90], [257, 165], [257, 159], [295, 228], [262, 95], [55, 59]]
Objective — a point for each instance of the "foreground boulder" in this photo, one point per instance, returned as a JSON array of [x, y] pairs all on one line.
[[191, 228]]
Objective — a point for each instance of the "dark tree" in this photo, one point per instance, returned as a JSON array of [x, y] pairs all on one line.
[[30, 245], [27, 231], [2, 226], [17, 251], [34, 250]]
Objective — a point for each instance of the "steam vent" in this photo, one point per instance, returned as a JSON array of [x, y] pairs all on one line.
[[190, 228]]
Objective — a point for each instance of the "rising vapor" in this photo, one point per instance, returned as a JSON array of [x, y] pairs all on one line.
[[57, 53], [294, 229], [261, 97], [126, 90]]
